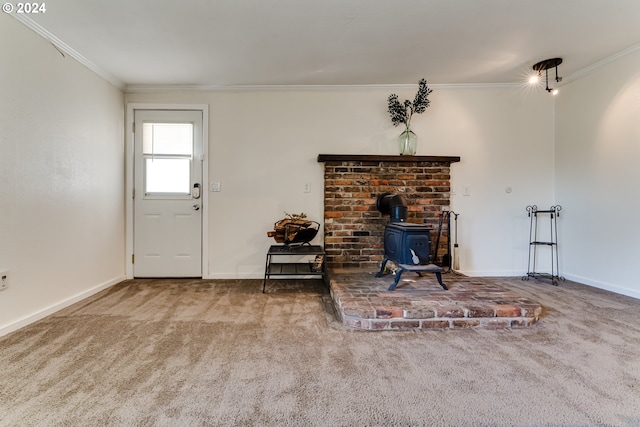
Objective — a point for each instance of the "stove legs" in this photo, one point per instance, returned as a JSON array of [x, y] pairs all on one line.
[[384, 264], [429, 268]]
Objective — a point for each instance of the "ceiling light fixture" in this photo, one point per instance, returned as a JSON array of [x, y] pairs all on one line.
[[544, 66]]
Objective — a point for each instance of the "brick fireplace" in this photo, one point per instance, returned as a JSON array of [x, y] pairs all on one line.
[[353, 227]]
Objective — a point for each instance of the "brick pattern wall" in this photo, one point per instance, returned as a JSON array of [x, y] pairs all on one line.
[[353, 227]]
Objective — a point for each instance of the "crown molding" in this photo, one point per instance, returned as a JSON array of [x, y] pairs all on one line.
[[301, 88], [595, 66], [68, 50]]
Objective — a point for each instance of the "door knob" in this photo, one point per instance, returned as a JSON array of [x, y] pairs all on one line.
[[196, 207]]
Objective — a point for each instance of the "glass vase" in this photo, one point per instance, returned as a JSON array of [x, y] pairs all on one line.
[[407, 143]]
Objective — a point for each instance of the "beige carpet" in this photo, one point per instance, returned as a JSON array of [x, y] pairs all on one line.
[[203, 353]]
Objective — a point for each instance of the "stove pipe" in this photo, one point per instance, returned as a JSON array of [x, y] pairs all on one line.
[[393, 205]]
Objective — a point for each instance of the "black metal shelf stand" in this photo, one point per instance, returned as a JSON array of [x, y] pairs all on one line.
[[552, 215], [315, 268]]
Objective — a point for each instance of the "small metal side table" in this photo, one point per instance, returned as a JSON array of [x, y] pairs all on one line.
[[296, 267]]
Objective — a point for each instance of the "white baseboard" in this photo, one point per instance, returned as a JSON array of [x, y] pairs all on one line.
[[605, 286], [233, 276], [4, 330]]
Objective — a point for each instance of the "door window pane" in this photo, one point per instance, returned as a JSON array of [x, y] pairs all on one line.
[[167, 138], [168, 176]]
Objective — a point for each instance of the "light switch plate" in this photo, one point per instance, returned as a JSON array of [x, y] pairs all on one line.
[[4, 280]]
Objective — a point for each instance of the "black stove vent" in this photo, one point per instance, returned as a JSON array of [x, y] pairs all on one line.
[[393, 205]]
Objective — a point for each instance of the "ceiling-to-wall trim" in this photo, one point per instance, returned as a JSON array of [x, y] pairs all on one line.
[[593, 67], [267, 88], [68, 50]]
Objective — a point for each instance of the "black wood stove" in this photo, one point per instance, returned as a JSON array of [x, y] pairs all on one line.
[[406, 244]]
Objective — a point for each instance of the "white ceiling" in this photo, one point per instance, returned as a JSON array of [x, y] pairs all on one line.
[[221, 43]]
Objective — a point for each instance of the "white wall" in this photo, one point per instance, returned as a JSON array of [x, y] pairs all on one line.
[[263, 148], [598, 153], [61, 178]]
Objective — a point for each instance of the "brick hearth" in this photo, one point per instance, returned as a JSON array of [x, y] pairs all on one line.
[[363, 302]]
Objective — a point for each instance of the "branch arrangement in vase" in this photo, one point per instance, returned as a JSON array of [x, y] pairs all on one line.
[[402, 113]]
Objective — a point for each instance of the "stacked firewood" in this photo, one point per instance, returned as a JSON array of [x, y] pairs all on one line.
[[286, 229]]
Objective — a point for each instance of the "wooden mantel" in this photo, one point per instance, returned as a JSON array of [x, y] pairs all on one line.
[[383, 158]]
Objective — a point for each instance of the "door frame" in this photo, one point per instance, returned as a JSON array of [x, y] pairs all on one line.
[[130, 184]]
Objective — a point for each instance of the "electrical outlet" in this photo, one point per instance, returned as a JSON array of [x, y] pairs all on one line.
[[4, 280]]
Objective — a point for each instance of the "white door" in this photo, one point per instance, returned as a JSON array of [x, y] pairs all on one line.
[[167, 235]]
